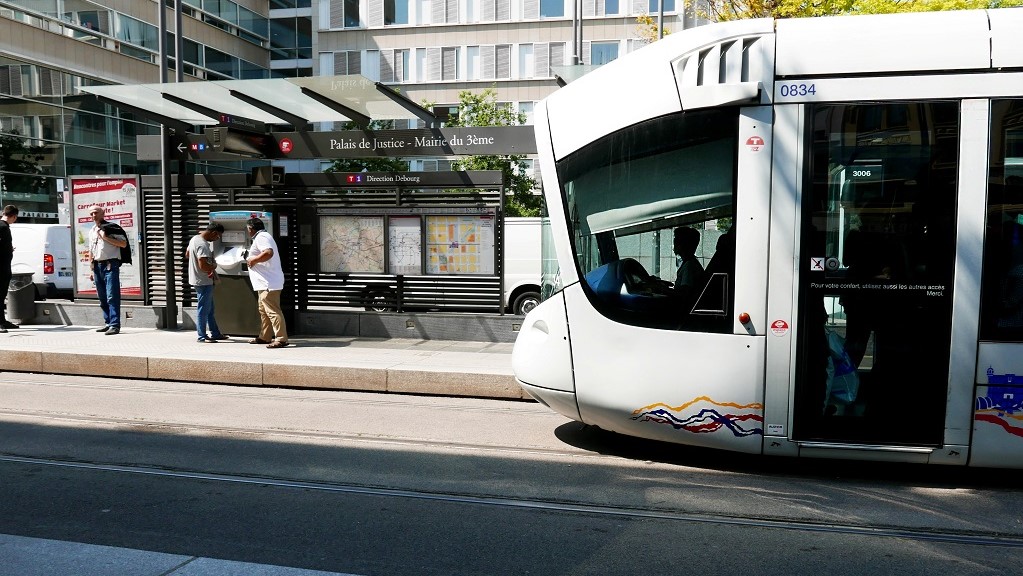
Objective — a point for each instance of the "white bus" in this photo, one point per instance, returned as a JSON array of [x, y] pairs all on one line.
[[857, 187]]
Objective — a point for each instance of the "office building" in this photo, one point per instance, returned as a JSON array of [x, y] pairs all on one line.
[[431, 50]]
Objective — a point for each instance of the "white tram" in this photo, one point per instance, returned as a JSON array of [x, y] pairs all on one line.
[[857, 186]]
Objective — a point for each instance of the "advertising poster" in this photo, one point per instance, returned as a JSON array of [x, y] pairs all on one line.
[[119, 195]]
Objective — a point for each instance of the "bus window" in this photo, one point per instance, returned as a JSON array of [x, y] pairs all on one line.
[[628, 192], [1002, 284]]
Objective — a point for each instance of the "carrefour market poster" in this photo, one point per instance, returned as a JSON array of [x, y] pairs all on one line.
[[119, 196]]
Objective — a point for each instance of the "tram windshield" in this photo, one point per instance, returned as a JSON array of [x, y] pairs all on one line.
[[649, 207]]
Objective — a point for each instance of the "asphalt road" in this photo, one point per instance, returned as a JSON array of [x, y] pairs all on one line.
[[382, 484]]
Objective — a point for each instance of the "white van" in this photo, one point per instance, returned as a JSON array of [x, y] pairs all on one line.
[[48, 251], [522, 260]]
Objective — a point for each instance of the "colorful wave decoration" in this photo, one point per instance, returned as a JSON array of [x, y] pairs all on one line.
[[1002, 406], [697, 417], [999, 419]]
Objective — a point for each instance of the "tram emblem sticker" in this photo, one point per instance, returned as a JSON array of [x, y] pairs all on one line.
[[779, 327], [286, 145], [755, 143]]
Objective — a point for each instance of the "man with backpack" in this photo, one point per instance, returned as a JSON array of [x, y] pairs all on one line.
[[106, 240]]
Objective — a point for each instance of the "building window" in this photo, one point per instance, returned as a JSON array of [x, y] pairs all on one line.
[[496, 10], [655, 6], [344, 13], [526, 109], [349, 62], [449, 63], [472, 63], [394, 65], [546, 55], [396, 12], [603, 52], [552, 8], [444, 11]]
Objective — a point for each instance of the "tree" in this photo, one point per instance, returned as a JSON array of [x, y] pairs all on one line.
[[20, 169], [482, 109], [646, 28]]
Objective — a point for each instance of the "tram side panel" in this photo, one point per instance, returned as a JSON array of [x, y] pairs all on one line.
[[690, 388], [998, 416]]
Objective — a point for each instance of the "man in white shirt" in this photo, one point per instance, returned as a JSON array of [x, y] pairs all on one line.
[[105, 262], [267, 277]]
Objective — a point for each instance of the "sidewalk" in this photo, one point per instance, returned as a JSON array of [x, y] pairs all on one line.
[[449, 368]]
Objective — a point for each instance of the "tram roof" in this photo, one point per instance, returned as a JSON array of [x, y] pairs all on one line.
[[292, 101]]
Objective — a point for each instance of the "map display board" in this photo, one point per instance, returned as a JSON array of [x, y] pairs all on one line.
[[462, 244], [352, 244], [405, 245]]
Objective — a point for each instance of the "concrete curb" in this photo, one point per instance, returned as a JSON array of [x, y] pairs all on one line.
[[431, 367]]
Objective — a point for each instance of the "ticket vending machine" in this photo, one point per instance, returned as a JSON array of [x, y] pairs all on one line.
[[234, 298]]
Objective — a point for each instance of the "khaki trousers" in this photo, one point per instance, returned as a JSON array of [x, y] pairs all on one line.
[[271, 319]]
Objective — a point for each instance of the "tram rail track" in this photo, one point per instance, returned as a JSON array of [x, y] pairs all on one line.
[[474, 453], [548, 505]]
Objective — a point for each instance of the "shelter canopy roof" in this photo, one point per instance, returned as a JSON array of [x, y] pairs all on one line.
[[292, 101]]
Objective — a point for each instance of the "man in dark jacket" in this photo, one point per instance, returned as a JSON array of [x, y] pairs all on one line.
[[9, 217]]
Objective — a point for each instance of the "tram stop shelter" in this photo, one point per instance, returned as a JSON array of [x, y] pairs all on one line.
[[383, 241]]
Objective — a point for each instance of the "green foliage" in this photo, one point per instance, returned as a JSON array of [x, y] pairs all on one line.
[[368, 165], [482, 109], [723, 10], [20, 168], [646, 28]]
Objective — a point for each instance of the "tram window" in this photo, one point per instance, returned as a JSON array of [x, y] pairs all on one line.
[[626, 194], [877, 256], [1002, 281]]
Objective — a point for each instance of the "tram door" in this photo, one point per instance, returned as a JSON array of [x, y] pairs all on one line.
[[876, 260]]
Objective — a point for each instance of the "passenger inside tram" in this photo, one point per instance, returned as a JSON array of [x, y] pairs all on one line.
[[689, 275]]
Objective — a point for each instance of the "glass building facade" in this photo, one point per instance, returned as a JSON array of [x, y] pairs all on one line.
[[51, 130]]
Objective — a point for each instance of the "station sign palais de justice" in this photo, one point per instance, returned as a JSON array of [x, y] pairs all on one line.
[[365, 143]]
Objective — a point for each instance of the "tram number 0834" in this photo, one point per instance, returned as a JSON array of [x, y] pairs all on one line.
[[791, 90]]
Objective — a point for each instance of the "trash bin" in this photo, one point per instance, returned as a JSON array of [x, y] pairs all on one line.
[[21, 297]]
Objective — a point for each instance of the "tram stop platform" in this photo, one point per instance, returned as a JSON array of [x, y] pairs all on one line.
[[396, 365]]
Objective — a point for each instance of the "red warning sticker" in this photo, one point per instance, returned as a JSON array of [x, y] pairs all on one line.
[[779, 327]]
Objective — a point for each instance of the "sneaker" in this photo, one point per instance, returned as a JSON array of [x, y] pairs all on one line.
[[103, 329], [206, 340], [113, 330], [220, 337]]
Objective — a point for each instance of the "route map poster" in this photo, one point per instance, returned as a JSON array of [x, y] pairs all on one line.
[[460, 244], [405, 244], [352, 244], [119, 195]]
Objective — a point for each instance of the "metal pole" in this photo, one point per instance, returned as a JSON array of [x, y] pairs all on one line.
[[576, 17], [170, 318], [579, 30], [660, 19], [179, 45]]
